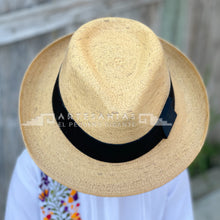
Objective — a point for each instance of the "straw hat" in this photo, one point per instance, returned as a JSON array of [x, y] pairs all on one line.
[[113, 110]]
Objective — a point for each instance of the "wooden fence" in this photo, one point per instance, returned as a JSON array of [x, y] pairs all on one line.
[[26, 26]]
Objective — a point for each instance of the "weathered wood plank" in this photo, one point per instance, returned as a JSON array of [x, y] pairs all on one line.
[[38, 20], [44, 18], [204, 50], [173, 24], [12, 5]]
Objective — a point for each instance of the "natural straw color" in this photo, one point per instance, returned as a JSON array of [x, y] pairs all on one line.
[[113, 66]]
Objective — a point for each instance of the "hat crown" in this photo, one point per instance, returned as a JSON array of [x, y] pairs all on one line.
[[114, 71]]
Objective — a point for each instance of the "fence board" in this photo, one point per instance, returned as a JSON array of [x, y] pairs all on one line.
[[12, 5], [204, 50]]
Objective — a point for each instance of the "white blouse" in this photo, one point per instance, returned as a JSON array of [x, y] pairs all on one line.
[[33, 195]]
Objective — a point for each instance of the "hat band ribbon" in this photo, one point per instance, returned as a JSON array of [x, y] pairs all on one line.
[[113, 153]]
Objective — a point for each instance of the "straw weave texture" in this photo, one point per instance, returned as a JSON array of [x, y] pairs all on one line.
[[113, 65]]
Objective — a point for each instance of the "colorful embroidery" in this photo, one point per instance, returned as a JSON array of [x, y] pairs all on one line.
[[58, 201]]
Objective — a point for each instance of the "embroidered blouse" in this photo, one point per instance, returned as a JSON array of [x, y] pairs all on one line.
[[34, 195]]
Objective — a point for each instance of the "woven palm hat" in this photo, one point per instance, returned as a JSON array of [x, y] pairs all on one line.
[[112, 109]]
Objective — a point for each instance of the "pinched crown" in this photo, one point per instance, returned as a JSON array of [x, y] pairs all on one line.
[[114, 80]]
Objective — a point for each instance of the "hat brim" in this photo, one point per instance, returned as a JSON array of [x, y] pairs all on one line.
[[59, 159]]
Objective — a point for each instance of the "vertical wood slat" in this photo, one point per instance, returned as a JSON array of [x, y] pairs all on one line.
[[204, 50], [193, 26], [173, 23]]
